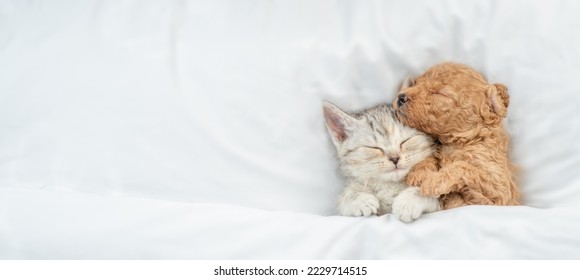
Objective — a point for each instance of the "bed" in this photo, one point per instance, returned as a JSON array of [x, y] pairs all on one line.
[[193, 129]]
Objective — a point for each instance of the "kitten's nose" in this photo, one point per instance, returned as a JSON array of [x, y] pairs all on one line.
[[394, 159], [402, 99]]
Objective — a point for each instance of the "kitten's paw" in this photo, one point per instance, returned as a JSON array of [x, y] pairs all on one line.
[[359, 204], [409, 205], [386, 198]]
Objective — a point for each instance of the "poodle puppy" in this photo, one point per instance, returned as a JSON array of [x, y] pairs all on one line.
[[458, 107]]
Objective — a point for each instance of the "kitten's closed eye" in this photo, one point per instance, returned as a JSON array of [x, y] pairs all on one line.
[[406, 141], [414, 142], [375, 149]]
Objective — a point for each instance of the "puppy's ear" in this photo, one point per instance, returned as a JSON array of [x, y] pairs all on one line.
[[407, 82], [338, 122], [501, 100], [497, 100]]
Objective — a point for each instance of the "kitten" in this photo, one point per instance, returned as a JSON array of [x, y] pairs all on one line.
[[376, 152]]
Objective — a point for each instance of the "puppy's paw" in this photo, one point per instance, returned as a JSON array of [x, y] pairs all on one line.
[[432, 187], [422, 178], [409, 205], [415, 178], [433, 191], [359, 204]]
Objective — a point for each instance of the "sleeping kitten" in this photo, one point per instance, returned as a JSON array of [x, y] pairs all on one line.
[[376, 152]]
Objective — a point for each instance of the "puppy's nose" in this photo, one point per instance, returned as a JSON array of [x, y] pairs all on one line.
[[394, 159], [402, 99]]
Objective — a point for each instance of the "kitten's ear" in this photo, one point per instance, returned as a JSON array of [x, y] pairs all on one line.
[[407, 82], [337, 121]]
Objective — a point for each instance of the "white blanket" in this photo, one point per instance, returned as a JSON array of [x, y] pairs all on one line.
[[193, 129]]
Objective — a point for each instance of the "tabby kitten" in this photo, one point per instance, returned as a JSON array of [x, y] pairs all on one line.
[[376, 152]]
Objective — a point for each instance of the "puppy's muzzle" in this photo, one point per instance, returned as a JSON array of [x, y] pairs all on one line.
[[402, 99]]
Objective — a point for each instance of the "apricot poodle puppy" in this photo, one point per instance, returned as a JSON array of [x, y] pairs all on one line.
[[458, 107]]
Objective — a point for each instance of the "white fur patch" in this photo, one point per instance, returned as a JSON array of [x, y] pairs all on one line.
[[409, 205]]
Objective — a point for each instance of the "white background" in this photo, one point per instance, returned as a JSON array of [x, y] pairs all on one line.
[[193, 129]]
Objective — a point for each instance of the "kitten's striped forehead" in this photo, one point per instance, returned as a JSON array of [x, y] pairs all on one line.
[[381, 119]]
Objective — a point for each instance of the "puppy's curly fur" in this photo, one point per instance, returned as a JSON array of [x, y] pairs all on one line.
[[456, 105]]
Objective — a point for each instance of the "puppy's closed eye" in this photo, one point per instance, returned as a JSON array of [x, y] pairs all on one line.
[[446, 92]]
